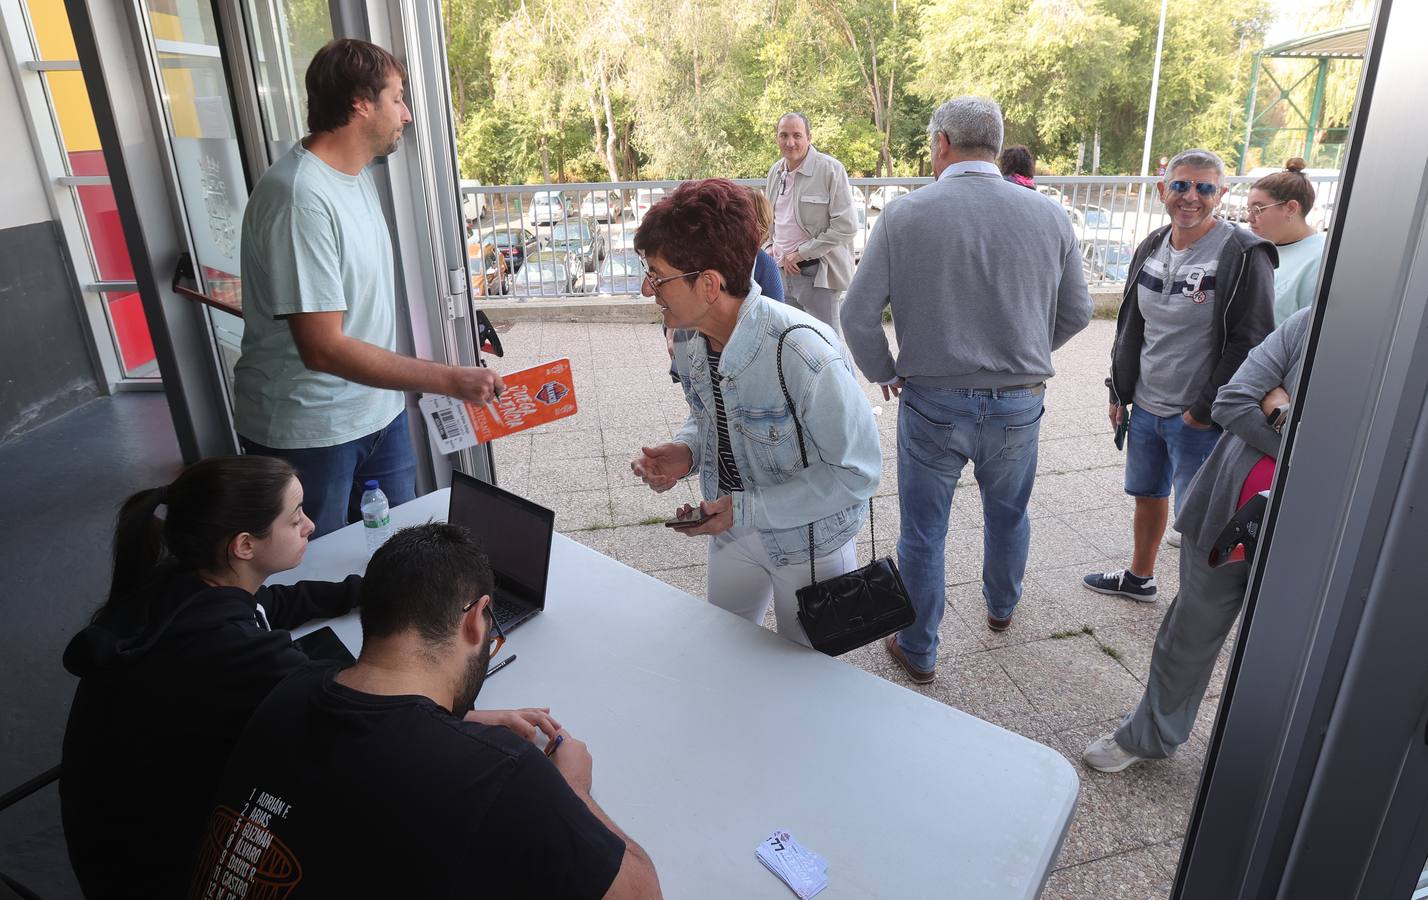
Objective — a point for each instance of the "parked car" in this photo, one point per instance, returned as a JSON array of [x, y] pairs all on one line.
[[603, 206], [488, 266], [881, 197], [582, 237], [1106, 260], [549, 206], [861, 238], [515, 244], [473, 204], [1054, 193], [645, 198], [1092, 223], [620, 273], [549, 273]]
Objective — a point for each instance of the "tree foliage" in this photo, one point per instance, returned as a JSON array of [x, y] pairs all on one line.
[[624, 89]]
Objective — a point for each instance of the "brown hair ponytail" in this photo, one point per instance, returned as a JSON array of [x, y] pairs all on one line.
[[209, 503], [1291, 184]]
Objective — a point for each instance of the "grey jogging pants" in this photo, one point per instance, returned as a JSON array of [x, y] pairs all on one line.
[[1189, 640]]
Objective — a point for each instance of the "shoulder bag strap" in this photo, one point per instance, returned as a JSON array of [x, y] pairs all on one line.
[[802, 447]]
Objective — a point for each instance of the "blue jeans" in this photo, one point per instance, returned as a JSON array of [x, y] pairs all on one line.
[[1164, 451], [938, 431], [332, 477]]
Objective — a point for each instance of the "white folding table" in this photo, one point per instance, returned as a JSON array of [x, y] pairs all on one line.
[[709, 732]]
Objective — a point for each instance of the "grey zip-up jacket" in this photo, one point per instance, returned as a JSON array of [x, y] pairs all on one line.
[[1244, 314]]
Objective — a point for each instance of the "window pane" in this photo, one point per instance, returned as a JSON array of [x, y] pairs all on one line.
[[287, 34], [73, 117], [131, 335]]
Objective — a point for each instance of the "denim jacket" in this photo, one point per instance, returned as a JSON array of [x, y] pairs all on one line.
[[780, 497]]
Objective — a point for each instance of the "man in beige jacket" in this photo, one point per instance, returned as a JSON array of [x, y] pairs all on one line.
[[814, 222]]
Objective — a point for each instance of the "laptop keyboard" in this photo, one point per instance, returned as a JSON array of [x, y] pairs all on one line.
[[505, 611]]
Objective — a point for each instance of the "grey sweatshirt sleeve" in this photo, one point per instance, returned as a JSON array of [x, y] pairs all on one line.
[[1266, 367], [1073, 299], [863, 304]]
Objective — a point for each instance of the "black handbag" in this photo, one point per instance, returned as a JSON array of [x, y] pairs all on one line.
[[847, 611]]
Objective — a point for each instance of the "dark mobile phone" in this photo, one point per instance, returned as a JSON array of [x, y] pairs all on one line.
[[694, 517], [1123, 429]]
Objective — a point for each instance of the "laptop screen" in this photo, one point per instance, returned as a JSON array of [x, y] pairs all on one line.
[[515, 533]]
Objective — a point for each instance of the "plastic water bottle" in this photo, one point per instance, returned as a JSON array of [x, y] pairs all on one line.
[[376, 515]]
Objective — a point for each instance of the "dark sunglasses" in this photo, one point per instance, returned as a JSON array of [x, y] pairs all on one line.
[[1203, 188]]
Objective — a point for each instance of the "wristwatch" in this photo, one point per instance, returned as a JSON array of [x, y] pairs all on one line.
[[1277, 417]]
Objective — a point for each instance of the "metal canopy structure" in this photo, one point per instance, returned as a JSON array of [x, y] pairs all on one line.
[[1349, 42]]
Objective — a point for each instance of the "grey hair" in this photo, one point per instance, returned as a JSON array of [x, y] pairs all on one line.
[[970, 123], [807, 129], [1197, 158]]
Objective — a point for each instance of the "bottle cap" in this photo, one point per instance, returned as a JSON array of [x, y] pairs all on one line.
[[370, 484]]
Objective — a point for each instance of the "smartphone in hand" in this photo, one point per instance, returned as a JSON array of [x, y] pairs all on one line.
[[695, 516], [1123, 429]]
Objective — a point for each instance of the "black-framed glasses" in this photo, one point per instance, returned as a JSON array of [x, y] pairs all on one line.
[[1257, 209], [1203, 188], [498, 637], [654, 282], [783, 184]]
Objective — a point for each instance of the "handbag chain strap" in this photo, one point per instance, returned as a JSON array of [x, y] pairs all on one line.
[[803, 449]]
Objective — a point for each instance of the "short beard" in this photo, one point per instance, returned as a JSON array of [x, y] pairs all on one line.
[[471, 682]]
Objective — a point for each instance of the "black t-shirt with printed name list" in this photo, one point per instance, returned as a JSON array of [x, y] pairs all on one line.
[[336, 793]]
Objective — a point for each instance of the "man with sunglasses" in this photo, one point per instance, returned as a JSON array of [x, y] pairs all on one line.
[[380, 780], [1199, 297], [814, 222]]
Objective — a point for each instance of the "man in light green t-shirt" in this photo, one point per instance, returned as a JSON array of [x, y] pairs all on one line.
[[319, 381]]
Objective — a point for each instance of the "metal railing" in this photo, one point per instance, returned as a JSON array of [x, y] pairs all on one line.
[[571, 240]]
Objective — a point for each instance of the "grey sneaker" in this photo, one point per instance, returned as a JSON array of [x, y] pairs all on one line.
[[1105, 755], [1172, 537], [1118, 583]]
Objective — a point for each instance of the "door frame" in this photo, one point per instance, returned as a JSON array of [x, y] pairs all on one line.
[[1316, 770]]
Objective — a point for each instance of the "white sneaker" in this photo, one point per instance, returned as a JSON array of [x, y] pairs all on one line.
[[1172, 537], [1105, 755]]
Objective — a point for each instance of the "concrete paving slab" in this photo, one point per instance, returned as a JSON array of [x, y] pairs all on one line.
[[1070, 682], [1060, 493], [1153, 797], [1055, 544], [638, 505], [1134, 875], [572, 443], [577, 510]]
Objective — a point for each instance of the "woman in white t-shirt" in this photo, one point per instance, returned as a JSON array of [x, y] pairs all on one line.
[[1278, 204]]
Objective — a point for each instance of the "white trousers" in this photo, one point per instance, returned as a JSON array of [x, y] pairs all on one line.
[[742, 579]]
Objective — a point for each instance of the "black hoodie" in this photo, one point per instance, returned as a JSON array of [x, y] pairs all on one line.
[[165, 689]]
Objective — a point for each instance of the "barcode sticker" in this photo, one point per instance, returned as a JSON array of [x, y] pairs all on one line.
[[450, 423]]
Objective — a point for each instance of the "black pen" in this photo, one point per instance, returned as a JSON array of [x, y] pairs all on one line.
[[500, 665]]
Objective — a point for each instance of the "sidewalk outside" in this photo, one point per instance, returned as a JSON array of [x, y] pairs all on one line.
[[1071, 664]]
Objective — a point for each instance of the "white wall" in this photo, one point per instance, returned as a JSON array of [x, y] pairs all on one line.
[[23, 199]]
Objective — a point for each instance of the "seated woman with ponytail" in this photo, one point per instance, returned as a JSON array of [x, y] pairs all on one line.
[[176, 660]]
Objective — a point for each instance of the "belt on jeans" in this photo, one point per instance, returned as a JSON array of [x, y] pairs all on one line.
[[1037, 388]]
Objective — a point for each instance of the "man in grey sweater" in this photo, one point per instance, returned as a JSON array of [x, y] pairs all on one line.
[[1210, 599], [984, 280]]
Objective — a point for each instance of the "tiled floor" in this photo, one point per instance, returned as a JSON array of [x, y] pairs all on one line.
[[1072, 663]]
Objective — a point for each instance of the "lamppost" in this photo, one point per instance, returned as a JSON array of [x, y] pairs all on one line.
[[1150, 113]]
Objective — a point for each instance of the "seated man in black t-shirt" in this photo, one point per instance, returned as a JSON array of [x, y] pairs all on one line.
[[367, 781]]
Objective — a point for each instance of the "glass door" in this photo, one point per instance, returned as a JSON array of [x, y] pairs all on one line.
[[207, 158]]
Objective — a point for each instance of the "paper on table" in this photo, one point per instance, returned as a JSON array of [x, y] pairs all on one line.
[[804, 871]]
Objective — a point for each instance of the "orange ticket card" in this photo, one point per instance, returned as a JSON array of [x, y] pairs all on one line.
[[532, 397]]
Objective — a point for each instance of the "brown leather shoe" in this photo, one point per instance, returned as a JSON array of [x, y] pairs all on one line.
[[917, 675], [998, 624]]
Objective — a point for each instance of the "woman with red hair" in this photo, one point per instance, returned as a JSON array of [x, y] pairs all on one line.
[[776, 489]]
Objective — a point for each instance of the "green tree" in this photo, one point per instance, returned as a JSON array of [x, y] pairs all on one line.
[[1048, 64]]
